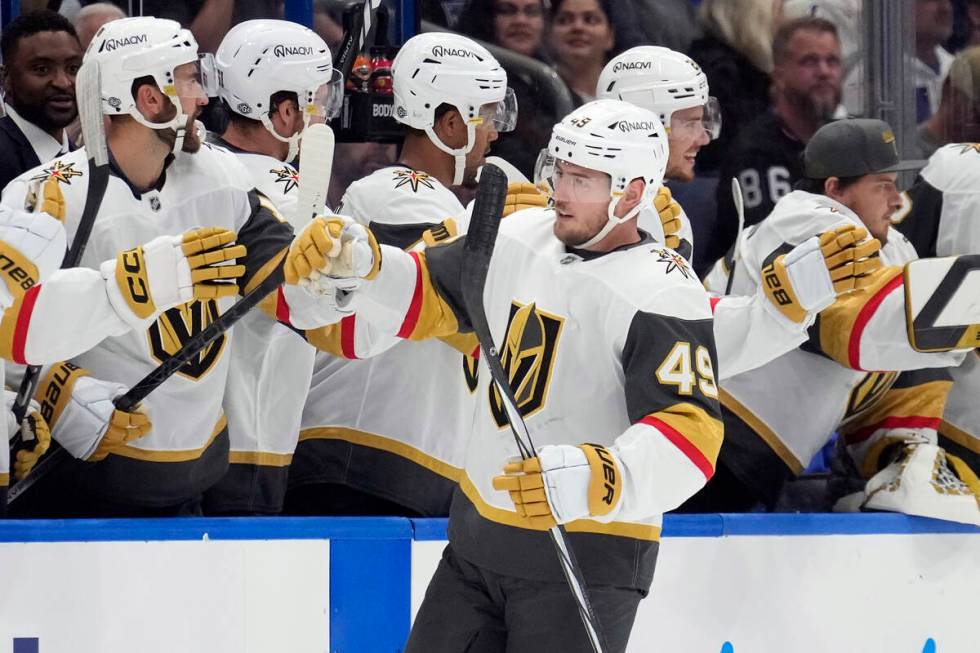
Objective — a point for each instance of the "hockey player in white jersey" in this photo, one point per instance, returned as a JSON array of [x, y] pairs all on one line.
[[750, 330], [451, 95], [884, 396], [151, 91], [610, 343], [38, 301], [275, 77]]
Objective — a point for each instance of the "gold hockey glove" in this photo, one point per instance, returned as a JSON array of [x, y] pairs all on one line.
[[670, 216], [562, 484], [522, 196]]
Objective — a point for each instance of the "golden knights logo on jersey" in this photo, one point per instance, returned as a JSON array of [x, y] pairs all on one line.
[[528, 357], [867, 393], [180, 324]]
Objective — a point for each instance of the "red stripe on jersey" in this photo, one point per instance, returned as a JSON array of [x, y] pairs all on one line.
[[347, 337], [23, 324], [714, 302], [282, 308], [864, 316], [415, 308], [911, 422], [686, 446]]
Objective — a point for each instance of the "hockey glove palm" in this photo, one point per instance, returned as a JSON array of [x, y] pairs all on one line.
[[563, 483], [35, 437], [523, 195], [331, 249], [173, 270]]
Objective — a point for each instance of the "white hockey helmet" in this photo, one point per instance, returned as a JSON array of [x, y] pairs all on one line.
[[618, 138], [661, 80], [441, 68], [259, 58], [131, 48]]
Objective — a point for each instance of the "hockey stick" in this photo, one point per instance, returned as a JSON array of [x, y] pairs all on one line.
[[93, 131], [740, 211], [478, 246], [354, 41], [316, 162]]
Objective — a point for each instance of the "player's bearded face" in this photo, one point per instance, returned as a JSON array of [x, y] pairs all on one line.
[[581, 198], [874, 198]]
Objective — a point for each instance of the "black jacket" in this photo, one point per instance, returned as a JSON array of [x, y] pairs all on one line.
[[18, 155]]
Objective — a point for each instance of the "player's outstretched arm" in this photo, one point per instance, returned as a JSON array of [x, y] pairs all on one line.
[[795, 285]]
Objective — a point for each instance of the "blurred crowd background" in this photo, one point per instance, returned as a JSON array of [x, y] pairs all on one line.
[[779, 68]]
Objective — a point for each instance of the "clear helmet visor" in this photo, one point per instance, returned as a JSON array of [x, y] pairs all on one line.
[[567, 182], [709, 123], [207, 74], [323, 103], [502, 114]]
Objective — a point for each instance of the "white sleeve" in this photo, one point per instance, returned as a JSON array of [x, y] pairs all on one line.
[[750, 332]]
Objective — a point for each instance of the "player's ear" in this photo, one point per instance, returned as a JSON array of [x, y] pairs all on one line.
[[631, 197], [831, 187], [451, 128], [149, 99]]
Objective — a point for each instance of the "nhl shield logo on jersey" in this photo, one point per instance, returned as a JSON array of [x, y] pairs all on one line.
[[286, 176], [528, 357], [177, 326], [59, 171], [413, 179], [674, 261]]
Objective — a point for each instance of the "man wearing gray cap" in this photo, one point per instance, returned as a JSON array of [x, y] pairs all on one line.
[[778, 416]]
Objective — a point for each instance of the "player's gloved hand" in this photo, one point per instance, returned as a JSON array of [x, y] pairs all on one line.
[[34, 243], [522, 196], [172, 270], [83, 418], [811, 276], [563, 483], [670, 216], [851, 256], [35, 437], [332, 252]]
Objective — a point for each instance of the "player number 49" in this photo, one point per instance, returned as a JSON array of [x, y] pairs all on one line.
[[677, 370]]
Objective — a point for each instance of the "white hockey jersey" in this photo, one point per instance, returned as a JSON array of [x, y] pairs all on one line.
[[394, 425], [268, 378], [863, 332], [943, 219], [187, 449], [615, 349]]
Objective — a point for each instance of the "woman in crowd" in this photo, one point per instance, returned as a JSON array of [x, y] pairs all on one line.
[[581, 40]]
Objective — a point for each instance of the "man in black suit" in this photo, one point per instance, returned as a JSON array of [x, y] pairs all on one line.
[[41, 55]]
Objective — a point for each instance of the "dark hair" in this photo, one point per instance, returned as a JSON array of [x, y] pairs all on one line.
[[476, 19], [786, 31], [816, 186], [605, 5], [30, 24]]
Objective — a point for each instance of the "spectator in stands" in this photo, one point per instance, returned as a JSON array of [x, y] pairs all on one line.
[[736, 55], [933, 27], [91, 17], [327, 23], [41, 56], [581, 40], [957, 120], [765, 157], [517, 25]]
